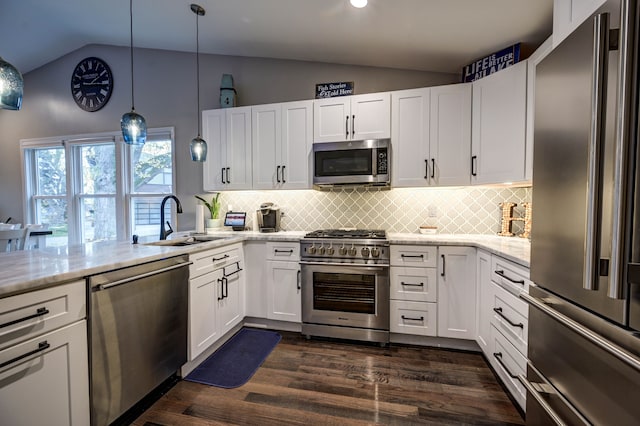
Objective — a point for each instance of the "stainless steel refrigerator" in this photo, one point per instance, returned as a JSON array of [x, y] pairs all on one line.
[[584, 316]]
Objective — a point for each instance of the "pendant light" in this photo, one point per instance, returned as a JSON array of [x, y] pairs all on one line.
[[198, 145], [134, 126], [11, 85]]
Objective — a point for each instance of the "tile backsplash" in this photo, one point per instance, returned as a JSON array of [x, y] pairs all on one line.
[[467, 210]]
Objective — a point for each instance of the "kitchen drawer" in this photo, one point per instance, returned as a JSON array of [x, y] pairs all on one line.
[[210, 260], [508, 363], [513, 277], [413, 318], [510, 316], [283, 251], [27, 315], [416, 284], [423, 256]]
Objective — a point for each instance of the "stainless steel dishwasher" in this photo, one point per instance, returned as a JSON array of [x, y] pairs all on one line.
[[137, 332]]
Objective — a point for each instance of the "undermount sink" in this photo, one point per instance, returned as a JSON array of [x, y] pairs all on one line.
[[183, 241]]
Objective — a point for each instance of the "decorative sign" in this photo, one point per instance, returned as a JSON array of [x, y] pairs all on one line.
[[492, 63], [332, 90]]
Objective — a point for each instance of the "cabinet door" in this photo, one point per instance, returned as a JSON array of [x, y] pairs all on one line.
[[266, 128], [204, 292], [331, 119], [485, 301], [295, 150], [238, 146], [457, 292], [230, 309], [498, 126], [214, 133], [410, 136], [283, 287], [450, 140], [50, 387], [371, 116]]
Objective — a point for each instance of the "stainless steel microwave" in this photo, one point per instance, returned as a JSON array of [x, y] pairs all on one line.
[[352, 163]]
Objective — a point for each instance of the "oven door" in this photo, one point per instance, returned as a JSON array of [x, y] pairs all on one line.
[[345, 295]]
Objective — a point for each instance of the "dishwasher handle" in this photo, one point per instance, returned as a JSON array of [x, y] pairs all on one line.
[[101, 287]]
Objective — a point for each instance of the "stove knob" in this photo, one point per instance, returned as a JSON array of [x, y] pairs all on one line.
[[343, 251], [312, 249], [365, 251], [375, 252], [321, 250], [330, 250], [353, 251]]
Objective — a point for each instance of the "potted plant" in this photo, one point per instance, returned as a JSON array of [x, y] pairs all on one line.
[[214, 209]]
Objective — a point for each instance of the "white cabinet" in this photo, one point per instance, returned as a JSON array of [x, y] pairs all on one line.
[[228, 136], [255, 257], [216, 295], [352, 118], [44, 357], [457, 292], [281, 143], [283, 283], [569, 14], [498, 131]]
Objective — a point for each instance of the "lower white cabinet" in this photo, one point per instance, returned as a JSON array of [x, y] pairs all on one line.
[[283, 288], [413, 318], [457, 292], [485, 300], [508, 363]]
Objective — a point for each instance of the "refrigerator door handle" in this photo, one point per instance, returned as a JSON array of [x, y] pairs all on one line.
[[578, 328], [622, 129], [594, 186]]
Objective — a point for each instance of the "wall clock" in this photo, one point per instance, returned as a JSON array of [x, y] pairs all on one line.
[[91, 84]]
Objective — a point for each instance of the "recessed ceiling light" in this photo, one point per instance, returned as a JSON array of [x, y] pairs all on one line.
[[358, 3]]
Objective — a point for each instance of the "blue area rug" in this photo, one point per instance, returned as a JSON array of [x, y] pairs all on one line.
[[234, 363]]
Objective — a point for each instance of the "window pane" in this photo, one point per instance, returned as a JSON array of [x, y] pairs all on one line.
[[98, 168], [98, 219], [152, 167], [50, 171], [145, 213], [53, 212]]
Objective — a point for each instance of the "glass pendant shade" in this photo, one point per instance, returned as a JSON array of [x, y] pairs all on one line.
[[134, 128], [198, 149], [11, 86]]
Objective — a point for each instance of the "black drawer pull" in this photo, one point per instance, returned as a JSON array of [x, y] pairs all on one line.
[[503, 275], [412, 285], [42, 346], [513, 324], [412, 319], [216, 259], [224, 273], [40, 312], [417, 256], [498, 356], [284, 251]]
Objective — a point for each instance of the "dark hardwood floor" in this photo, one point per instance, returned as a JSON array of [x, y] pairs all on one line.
[[321, 382]]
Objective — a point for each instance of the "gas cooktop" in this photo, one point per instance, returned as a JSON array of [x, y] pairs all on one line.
[[345, 233]]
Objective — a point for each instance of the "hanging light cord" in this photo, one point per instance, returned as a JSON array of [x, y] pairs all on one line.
[[131, 49], [198, 69]]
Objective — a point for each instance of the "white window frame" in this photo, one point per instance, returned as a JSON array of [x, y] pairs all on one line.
[[124, 178]]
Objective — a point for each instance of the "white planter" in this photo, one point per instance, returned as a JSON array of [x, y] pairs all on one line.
[[213, 223]]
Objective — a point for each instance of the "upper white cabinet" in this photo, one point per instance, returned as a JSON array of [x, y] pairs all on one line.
[[281, 143], [352, 118], [457, 292], [569, 14], [498, 131], [228, 135]]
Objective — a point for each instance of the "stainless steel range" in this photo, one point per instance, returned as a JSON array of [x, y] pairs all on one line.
[[345, 284]]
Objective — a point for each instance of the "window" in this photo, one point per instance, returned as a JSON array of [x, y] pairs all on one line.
[[94, 187]]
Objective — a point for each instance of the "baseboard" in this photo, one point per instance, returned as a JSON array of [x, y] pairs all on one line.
[[437, 342], [294, 327]]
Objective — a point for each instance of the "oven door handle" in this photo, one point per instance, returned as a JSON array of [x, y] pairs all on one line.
[[375, 267]]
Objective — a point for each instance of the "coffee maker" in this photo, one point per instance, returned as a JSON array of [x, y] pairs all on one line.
[[268, 216]]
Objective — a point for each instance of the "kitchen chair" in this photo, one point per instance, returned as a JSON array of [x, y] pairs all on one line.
[[14, 239]]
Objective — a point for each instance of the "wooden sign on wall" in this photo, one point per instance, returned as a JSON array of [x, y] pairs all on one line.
[[332, 90]]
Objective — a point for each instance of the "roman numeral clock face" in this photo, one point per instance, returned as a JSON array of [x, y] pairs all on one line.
[[91, 84]]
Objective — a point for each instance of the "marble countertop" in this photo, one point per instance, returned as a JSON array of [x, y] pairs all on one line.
[[34, 269]]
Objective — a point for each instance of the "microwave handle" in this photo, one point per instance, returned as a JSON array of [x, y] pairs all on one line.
[[374, 161]]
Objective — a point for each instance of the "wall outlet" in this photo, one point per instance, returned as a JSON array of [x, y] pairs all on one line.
[[432, 211]]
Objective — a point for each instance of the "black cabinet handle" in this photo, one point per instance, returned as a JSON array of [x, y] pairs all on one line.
[[224, 273], [503, 275], [299, 279], [225, 291], [412, 285], [498, 356], [443, 265], [426, 169], [412, 319], [278, 174], [433, 168], [513, 324], [473, 165], [283, 251], [221, 282], [216, 259], [353, 125], [222, 175], [420, 256], [228, 174], [283, 181], [42, 346], [346, 127], [39, 312]]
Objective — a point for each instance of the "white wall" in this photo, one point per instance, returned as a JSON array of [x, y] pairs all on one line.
[[165, 94]]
